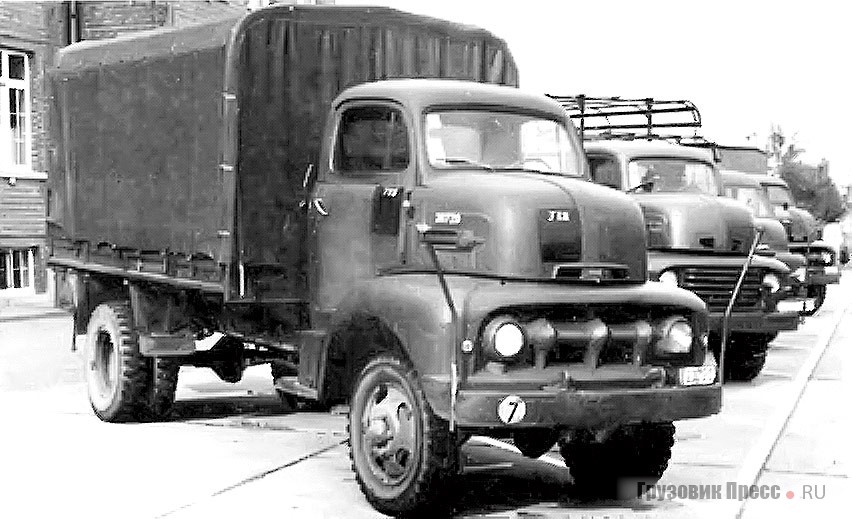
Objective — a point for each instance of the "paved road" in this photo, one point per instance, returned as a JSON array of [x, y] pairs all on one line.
[[232, 452]]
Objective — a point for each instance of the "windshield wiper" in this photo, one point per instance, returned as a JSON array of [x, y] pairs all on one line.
[[644, 186], [466, 162]]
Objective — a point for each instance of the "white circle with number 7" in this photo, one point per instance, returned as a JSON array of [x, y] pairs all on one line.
[[511, 409]]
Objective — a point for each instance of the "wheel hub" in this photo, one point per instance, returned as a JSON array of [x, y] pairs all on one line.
[[389, 433]]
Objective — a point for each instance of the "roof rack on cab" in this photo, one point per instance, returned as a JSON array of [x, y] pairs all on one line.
[[608, 117]]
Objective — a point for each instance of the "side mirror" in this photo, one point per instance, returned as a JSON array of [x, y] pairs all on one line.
[[785, 206]]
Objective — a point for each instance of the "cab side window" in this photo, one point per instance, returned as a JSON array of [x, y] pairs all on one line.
[[604, 171], [371, 139]]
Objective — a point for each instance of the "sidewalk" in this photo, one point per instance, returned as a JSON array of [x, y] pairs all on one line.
[[28, 306]]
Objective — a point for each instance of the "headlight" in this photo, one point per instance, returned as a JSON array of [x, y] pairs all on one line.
[[669, 277], [827, 258], [503, 337], [800, 273], [675, 336], [772, 282]]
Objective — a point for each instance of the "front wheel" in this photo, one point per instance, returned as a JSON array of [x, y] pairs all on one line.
[[818, 293], [745, 355], [402, 453], [613, 468]]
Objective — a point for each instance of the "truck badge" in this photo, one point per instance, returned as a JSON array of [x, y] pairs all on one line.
[[447, 218], [559, 216], [511, 409]]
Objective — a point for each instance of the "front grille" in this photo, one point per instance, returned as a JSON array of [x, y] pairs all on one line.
[[715, 286]]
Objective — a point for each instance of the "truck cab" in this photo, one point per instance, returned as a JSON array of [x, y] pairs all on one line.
[[804, 235], [747, 189], [699, 240]]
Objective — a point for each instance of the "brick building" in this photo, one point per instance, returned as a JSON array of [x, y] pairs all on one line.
[[30, 35]]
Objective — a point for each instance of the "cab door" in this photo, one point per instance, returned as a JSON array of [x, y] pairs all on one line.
[[357, 205]]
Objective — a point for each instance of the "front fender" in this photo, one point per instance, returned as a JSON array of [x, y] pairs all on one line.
[[413, 307]]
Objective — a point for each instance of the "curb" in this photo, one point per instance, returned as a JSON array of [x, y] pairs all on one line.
[[755, 461]]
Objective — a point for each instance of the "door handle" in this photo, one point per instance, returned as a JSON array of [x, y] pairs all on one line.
[[319, 206]]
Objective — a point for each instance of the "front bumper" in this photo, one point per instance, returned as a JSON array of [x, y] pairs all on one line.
[[590, 409], [756, 322], [798, 304], [822, 278]]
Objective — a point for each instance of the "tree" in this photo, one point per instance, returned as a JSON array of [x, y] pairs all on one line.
[[811, 186]]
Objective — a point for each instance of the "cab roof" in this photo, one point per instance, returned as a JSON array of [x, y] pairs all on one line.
[[772, 181], [419, 94], [738, 178], [640, 148]]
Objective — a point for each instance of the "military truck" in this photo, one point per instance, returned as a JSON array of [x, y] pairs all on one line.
[[426, 250], [805, 235], [697, 239], [803, 231], [747, 189]]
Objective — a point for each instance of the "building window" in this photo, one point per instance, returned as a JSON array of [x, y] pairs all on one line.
[[15, 120], [16, 268]]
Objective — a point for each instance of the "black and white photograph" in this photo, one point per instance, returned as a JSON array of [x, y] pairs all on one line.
[[425, 258]]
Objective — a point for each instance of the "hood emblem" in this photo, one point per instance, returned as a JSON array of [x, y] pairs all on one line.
[[447, 218], [558, 216]]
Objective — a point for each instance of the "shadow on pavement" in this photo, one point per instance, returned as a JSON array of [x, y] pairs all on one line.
[[496, 480], [225, 407]]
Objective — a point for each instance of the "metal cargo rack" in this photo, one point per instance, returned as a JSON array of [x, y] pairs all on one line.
[[620, 118]]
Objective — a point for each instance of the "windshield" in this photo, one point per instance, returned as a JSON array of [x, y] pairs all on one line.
[[493, 140], [779, 195], [671, 175], [753, 197]]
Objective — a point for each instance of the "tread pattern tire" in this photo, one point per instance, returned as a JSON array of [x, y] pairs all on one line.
[[437, 449], [745, 359], [636, 452], [162, 385], [111, 328], [818, 292], [535, 443]]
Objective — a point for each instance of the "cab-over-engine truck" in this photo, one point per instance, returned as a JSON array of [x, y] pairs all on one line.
[[746, 188], [697, 239], [804, 233], [395, 244]]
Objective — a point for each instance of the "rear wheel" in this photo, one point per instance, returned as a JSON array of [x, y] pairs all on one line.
[[402, 453], [116, 373], [162, 385], [612, 468]]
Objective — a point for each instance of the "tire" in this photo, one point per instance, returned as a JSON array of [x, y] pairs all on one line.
[[535, 443], [116, 373], [161, 388], [612, 468], [745, 356], [402, 454], [818, 292]]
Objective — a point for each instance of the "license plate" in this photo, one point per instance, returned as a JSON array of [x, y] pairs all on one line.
[[697, 375], [832, 270], [796, 305]]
